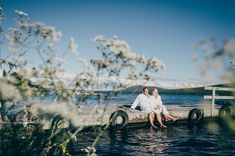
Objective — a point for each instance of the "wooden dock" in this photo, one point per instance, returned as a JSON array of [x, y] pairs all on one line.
[[120, 116], [101, 114]]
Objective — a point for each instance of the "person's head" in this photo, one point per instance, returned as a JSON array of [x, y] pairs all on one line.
[[155, 92], [145, 90]]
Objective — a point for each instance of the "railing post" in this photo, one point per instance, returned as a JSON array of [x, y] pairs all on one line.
[[213, 101], [234, 105]]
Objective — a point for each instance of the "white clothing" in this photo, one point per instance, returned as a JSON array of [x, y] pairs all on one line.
[[157, 106], [143, 101], [164, 110]]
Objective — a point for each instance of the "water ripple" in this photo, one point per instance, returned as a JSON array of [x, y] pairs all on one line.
[[170, 141]]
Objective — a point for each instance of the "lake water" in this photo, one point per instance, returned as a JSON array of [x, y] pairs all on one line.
[[128, 99], [209, 139], [167, 99]]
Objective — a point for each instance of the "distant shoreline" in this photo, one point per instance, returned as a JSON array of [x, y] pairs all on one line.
[[196, 90]]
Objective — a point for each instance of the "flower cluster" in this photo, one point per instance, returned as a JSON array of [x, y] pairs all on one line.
[[21, 13], [25, 80], [117, 56], [114, 46], [8, 92], [51, 34], [28, 36]]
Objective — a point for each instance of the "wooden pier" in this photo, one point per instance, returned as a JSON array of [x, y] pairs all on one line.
[[101, 117], [121, 116]]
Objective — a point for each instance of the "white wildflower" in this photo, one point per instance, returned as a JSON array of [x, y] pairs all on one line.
[[155, 63], [9, 92], [142, 59], [57, 109], [37, 27], [21, 13], [129, 54], [51, 34], [114, 50], [38, 24], [132, 63], [73, 46], [98, 38]]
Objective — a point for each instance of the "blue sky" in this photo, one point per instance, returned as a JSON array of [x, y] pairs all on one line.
[[164, 29]]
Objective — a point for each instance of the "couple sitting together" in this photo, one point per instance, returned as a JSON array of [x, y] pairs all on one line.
[[152, 105]]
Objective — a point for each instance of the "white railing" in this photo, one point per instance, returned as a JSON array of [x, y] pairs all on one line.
[[214, 96]]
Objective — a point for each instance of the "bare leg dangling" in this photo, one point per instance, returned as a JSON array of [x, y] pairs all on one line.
[[160, 121], [151, 119]]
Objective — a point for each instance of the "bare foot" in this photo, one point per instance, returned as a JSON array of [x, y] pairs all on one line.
[[174, 119], [163, 126], [168, 119], [154, 126]]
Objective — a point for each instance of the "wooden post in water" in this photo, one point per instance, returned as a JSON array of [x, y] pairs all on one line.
[[213, 97], [213, 101], [234, 104]]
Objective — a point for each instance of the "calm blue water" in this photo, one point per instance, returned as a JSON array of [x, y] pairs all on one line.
[[210, 139], [128, 98]]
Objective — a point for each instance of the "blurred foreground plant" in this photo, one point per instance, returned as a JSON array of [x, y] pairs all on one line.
[[215, 60], [23, 80]]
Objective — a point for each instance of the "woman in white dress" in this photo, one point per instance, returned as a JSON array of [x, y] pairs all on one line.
[[159, 108]]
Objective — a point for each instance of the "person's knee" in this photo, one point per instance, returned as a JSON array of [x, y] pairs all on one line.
[[151, 115]]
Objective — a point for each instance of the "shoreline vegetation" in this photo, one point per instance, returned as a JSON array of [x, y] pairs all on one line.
[[196, 90], [138, 89]]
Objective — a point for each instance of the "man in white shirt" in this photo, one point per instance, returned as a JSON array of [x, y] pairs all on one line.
[[145, 106], [159, 108]]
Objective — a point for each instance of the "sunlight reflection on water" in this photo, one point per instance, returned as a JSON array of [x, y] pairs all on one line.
[[174, 140]]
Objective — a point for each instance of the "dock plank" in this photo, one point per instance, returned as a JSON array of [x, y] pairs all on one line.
[[102, 113]]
